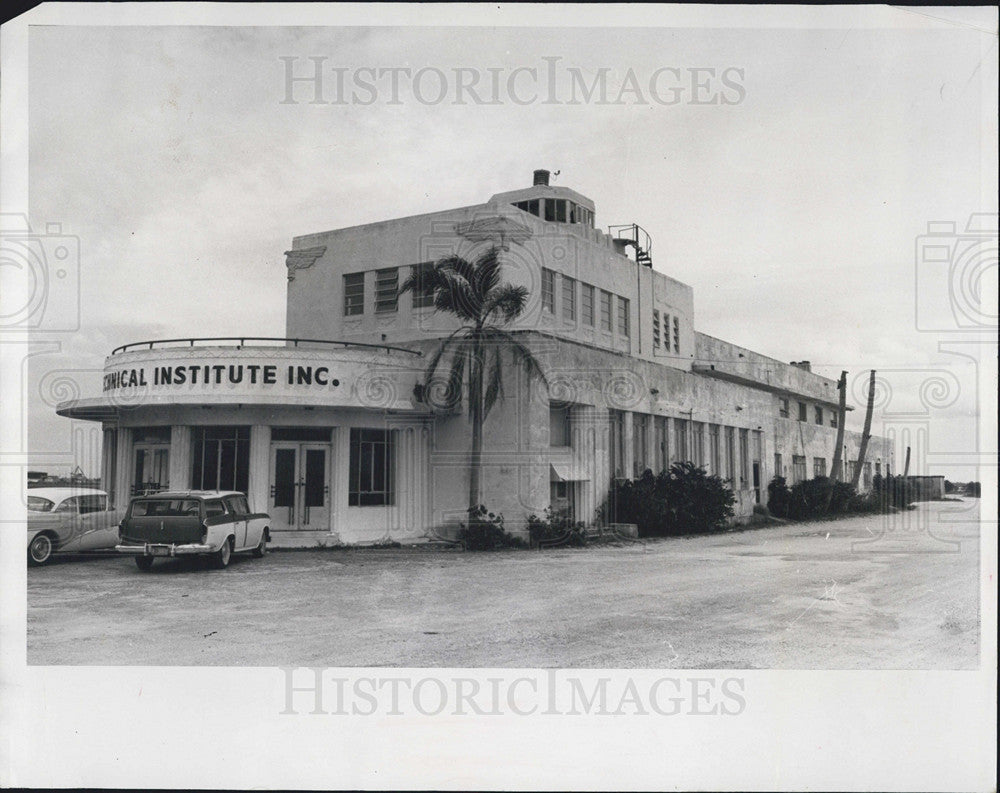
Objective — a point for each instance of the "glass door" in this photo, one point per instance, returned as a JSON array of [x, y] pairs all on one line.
[[300, 493]]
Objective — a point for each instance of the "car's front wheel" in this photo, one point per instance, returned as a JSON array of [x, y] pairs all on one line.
[[144, 563], [39, 549], [220, 559]]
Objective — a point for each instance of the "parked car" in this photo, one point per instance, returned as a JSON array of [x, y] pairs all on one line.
[[210, 523], [69, 520]]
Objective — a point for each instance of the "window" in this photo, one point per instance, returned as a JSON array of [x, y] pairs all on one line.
[[662, 461], [714, 449], [237, 505], [640, 425], [168, 508], [623, 319], [677, 335], [587, 304], [656, 329], [878, 470], [681, 438], [783, 408], [606, 311], [70, 505], [214, 508], [39, 504], [422, 296], [803, 412], [730, 453], [548, 291], [568, 298], [221, 458], [550, 208], [744, 459], [698, 443], [559, 427], [372, 471], [867, 476], [778, 468], [354, 294], [819, 414], [560, 211], [851, 466], [798, 468], [616, 442], [386, 290], [93, 503], [833, 418], [819, 466]]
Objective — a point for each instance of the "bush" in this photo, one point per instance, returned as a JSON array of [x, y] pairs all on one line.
[[683, 499], [485, 532], [556, 529], [974, 489], [779, 497]]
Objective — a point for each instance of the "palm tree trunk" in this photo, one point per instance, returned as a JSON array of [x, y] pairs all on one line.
[[866, 433], [476, 399], [838, 450]]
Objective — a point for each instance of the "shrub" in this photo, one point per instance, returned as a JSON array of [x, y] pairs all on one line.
[[556, 529], [974, 489], [779, 497], [683, 499], [485, 532]]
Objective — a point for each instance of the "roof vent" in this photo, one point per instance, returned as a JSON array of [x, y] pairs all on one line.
[[541, 178]]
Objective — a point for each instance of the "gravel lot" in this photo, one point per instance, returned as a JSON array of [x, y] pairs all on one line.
[[862, 593]]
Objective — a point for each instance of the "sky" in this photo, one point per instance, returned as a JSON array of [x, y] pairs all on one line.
[[794, 205]]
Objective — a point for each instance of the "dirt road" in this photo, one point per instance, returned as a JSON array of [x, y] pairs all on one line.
[[860, 593]]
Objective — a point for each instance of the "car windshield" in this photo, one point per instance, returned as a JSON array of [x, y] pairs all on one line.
[[164, 508], [39, 504]]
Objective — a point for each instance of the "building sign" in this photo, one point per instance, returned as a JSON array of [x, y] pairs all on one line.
[[218, 374], [353, 377]]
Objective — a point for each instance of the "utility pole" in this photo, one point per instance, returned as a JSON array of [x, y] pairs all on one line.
[[835, 474], [866, 433]]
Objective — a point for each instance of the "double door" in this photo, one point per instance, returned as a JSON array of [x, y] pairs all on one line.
[[300, 489]]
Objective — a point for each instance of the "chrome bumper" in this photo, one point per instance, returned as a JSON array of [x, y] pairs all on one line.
[[163, 549]]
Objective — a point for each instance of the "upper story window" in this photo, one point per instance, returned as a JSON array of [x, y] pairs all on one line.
[[833, 418], [386, 290], [569, 298], [548, 291], [783, 407], [803, 412], [422, 296], [354, 294], [677, 334], [656, 329], [559, 427], [623, 318], [818, 414], [606, 311], [557, 210], [587, 304]]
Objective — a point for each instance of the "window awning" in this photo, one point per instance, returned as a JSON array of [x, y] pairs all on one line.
[[567, 472]]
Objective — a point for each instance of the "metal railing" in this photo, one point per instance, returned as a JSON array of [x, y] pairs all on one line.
[[638, 237], [242, 340]]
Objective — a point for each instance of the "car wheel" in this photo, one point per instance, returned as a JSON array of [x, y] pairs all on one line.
[[39, 549], [220, 559], [261, 550], [144, 563]]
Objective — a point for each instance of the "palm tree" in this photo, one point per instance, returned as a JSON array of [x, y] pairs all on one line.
[[473, 292]]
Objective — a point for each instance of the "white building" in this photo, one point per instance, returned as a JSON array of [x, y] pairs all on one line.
[[330, 431]]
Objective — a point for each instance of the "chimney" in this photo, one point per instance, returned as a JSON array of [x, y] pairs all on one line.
[[805, 365], [541, 178]]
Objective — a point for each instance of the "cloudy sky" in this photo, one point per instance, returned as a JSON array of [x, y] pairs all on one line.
[[793, 204]]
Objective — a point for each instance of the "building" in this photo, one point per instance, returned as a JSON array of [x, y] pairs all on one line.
[[330, 430]]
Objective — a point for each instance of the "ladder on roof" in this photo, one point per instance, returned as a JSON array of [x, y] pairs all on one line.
[[635, 235]]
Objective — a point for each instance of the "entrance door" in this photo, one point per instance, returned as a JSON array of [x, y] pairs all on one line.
[[300, 493], [151, 468]]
